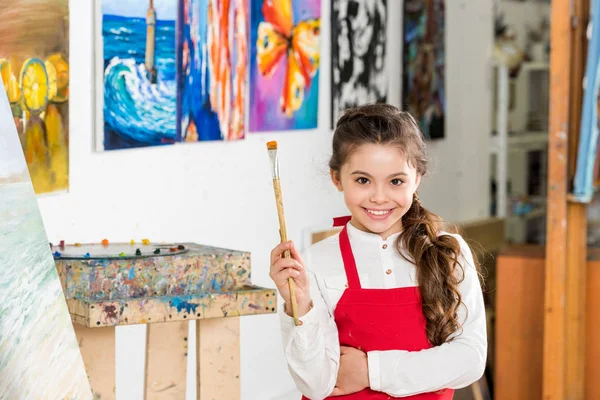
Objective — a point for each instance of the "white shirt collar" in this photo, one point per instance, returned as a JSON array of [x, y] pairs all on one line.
[[367, 237]]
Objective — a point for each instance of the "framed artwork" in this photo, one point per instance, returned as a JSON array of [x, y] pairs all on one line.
[[284, 64], [34, 66], [359, 59], [213, 64], [39, 357], [424, 94], [137, 78]]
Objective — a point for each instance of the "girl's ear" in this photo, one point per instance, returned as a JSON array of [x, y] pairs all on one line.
[[336, 180], [417, 181]]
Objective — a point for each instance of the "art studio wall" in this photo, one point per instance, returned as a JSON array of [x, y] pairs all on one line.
[[220, 193]]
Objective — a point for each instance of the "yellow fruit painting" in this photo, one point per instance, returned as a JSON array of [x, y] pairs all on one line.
[[34, 67]]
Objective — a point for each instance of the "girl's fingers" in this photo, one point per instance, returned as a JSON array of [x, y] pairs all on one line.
[[280, 249], [284, 263]]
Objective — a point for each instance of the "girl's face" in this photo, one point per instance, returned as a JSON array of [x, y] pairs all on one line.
[[378, 185]]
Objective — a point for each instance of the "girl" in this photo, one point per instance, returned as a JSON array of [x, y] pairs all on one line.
[[391, 306]]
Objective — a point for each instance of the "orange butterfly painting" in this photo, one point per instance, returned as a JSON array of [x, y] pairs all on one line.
[[284, 71]]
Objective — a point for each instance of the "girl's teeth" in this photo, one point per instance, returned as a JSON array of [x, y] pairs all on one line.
[[378, 212]]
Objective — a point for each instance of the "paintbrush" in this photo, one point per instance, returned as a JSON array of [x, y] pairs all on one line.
[[272, 148]]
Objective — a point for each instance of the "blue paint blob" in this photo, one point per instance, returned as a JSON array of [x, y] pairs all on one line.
[[131, 273], [181, 304]]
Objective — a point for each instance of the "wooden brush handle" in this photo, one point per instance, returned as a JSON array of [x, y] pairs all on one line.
[[283, 235]]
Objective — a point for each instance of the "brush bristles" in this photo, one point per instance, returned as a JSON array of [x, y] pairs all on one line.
[[272, 145]]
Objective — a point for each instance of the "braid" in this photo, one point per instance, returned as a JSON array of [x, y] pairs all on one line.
[[436, 260]]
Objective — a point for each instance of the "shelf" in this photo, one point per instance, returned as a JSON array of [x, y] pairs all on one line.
[[535, 213], [536, 66], [526, 141]]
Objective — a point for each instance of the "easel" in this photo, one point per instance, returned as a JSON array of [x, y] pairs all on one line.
[[550, 361]]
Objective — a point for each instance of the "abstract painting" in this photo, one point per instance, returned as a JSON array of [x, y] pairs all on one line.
[[39, 353], [139, 82], [284, 64], [424, 94], [34, 66], [358, 61], [213, 64]]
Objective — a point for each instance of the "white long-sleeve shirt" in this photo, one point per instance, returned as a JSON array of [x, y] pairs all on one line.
[[313, 349]]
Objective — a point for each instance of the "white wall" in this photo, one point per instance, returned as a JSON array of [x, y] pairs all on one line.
[[220, 194]]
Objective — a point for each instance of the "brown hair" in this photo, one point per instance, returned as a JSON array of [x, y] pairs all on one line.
[[436, 256]]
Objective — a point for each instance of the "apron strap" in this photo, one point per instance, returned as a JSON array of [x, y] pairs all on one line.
[[341, 221], [349, 262]]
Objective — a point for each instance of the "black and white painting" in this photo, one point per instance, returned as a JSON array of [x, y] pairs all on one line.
[[358, 32]]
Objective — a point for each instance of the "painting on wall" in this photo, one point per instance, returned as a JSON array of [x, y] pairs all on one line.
[[39, 353], [139, 79], [358, 61], [34, 66], [424, 94], [284, 64], [213, 63]]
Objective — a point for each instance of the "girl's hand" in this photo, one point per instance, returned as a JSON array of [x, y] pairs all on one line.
[[353, 375], [284, 268]]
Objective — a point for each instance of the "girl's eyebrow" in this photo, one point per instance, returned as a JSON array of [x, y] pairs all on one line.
[[370, 176]]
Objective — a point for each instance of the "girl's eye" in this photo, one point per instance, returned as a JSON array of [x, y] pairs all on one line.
[[397, 182], [362, 181]]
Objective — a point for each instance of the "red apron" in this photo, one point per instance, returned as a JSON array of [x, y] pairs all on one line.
[[379, 320]]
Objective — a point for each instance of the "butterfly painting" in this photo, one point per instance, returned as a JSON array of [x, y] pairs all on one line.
[[284, 70]]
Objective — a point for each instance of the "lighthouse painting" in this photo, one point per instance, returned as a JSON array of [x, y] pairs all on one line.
[[139, 106]]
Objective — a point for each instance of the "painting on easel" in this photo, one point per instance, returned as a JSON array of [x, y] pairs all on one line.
[[34, 57], [138, 105], [423, 86], [213, 64], [39, 353]]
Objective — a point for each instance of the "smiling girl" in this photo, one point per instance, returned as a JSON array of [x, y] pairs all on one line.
[[392, 305]]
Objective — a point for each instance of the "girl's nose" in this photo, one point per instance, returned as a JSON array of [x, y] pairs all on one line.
[[378, 196]]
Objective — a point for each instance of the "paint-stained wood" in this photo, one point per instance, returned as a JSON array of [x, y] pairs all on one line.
[[218, 357], [97, 348], [519, 324], [145, 310], [166, 361], [555, 310]]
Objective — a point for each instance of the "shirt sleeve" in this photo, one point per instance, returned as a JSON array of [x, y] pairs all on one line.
[[312, 349], [452, 365]]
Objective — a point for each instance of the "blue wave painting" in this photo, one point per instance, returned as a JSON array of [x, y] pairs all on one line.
[[39, 353], [140, 102]]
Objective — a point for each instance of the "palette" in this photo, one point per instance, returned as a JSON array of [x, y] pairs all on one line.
[[114, 284]]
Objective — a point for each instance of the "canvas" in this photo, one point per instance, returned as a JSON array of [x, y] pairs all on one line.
[[424, 94], [34, 65], [213, 64], [359, 59], [39, 353], [284, 64], [139, 87]]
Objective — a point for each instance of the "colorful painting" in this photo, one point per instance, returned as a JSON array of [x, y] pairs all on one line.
[[284, 64], [358, 60], [213, 63], [39, 353], [139, 108], [424, 94], [34, 66]]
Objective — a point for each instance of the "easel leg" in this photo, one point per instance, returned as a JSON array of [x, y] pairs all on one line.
[[218, 357], [166, 361], [97, 346]]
